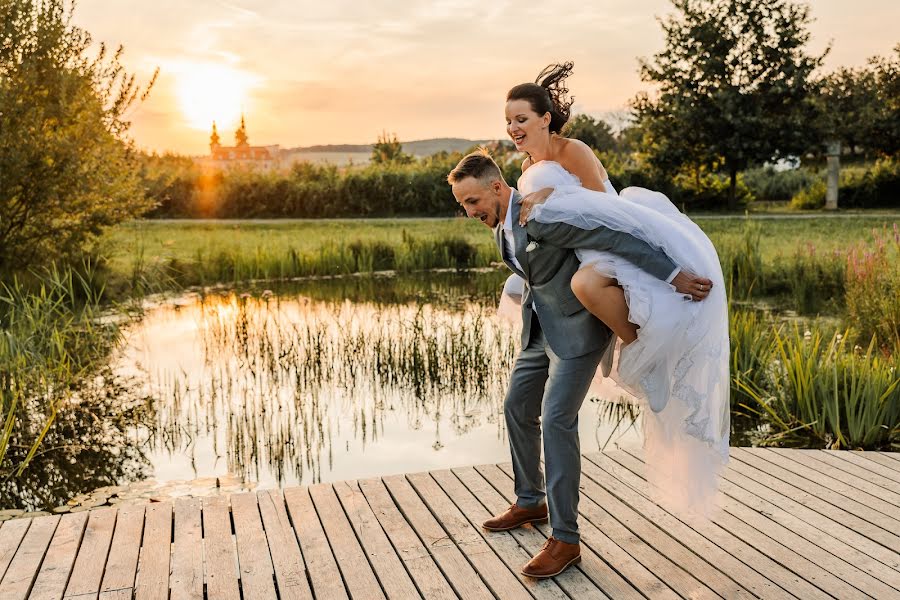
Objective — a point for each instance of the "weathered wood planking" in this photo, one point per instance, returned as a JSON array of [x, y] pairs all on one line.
[[794, 524]]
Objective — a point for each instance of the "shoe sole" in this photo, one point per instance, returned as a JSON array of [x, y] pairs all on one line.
[[574, 561], [519, 524]]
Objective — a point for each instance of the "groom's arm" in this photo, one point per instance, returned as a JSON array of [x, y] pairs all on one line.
[[636, 251]]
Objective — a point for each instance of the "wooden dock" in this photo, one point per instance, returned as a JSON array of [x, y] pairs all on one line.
[[796, 524]]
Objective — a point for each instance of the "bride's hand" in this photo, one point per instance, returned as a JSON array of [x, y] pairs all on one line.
[[538, 197]]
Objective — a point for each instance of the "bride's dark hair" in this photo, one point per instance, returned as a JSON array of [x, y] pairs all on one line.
[[548, 94]]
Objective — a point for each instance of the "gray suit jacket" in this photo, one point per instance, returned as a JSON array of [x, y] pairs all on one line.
[[570, 329]]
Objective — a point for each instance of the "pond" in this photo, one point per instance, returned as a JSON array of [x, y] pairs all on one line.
[[316, 381]]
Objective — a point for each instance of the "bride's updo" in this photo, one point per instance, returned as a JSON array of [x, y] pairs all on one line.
[[548, 94]]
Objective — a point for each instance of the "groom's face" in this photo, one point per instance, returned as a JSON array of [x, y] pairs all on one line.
[[480, 200]]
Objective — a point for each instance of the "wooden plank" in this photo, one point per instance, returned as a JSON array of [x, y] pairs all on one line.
[[675, 576], [255, 563], [882, 459], [768, 538], [121, 567], [836, 527], [765, 577], [856, 568], [24, 567], [592, 576], [697, 544], [358, 576], [869, 461], [494, 572], [504, 543], [887, 512], [11, 535], [857, 488], [465, 581], [394, 579], [826, 502], [57, 566], [221, 574], [863, 478], [324, 574], [593, 539], [153, 574], [664, 543], [87, 574], [507, 547], [429, 580], [287, 560], [186, 581]]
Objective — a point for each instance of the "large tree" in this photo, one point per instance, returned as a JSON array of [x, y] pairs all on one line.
[[735, 86], [861, 106], [67, 169], [595, 133]]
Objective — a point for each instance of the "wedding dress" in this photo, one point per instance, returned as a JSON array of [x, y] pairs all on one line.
[[678, 368]]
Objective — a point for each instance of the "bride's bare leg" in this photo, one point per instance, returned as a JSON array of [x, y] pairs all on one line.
[[605, 300]]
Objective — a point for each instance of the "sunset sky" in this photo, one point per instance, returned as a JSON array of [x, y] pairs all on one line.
[[342, 71]]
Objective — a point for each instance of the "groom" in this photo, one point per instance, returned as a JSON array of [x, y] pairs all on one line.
[[562, 344]]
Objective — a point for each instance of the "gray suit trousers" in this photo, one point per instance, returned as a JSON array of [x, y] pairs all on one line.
[[545, 394]]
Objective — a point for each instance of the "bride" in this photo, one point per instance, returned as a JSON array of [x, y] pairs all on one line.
[[673, 353]]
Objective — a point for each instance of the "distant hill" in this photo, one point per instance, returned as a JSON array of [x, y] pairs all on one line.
[[416, 148]]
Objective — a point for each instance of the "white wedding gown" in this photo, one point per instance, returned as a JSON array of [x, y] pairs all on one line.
[[679, 364]]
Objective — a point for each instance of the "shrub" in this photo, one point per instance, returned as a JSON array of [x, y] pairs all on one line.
[[768, 184], [811, 197], [873, 186], [873, 289]]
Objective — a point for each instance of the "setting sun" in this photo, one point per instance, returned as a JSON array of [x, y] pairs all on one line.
[[211, 92]]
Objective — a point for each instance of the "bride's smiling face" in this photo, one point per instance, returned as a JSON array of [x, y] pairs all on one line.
[[525, 127]]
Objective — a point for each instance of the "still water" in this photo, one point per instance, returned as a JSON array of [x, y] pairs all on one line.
[[320, 381]]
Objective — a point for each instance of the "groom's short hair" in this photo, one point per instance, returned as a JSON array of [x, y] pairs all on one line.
[[479, 165]]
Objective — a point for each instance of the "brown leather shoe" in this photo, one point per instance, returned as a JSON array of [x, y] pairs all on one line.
[[516, 516], [554, 558]]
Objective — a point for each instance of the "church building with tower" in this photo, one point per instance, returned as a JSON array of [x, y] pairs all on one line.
[[242, 153]]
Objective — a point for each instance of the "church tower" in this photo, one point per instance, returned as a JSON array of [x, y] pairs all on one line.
[[240, 136], [214, 139]]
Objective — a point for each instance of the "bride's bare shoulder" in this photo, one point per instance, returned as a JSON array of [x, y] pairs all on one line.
[[579, 159], [526, 163], [574, 149]]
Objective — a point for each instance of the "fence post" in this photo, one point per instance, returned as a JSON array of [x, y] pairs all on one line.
[[833, 154]]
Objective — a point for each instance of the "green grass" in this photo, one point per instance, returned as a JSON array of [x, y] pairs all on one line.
[[782, 237], [184, 241]]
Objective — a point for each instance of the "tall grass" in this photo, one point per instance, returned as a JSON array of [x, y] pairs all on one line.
[[52, 335], [873, 288], [815, 389]]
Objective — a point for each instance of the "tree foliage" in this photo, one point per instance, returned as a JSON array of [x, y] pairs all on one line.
[[861, 106], [735, 86], [595, 133], [389, 151], [66, 167]]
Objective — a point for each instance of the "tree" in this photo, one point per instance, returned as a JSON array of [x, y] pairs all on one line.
[[849, 108], [735, 86], [389, 150], [596, 134], [66, 168], [886, 130]]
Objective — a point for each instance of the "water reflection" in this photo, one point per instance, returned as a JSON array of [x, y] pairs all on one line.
[[89, 445], [329, 380]]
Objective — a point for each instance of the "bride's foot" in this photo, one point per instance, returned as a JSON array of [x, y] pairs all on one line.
[[656, 388]]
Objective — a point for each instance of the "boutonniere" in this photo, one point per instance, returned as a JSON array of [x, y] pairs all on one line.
[[531, 247]]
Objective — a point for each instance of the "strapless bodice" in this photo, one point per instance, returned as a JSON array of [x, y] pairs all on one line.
[[545, 174]]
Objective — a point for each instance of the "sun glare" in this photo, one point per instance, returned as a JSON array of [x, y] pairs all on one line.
[[210, 92]]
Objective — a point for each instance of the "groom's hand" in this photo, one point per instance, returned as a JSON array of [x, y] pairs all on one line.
[[691, 285], [538, 197]]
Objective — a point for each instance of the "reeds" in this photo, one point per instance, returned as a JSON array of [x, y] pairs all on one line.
[[53, 334], [816, 390]]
